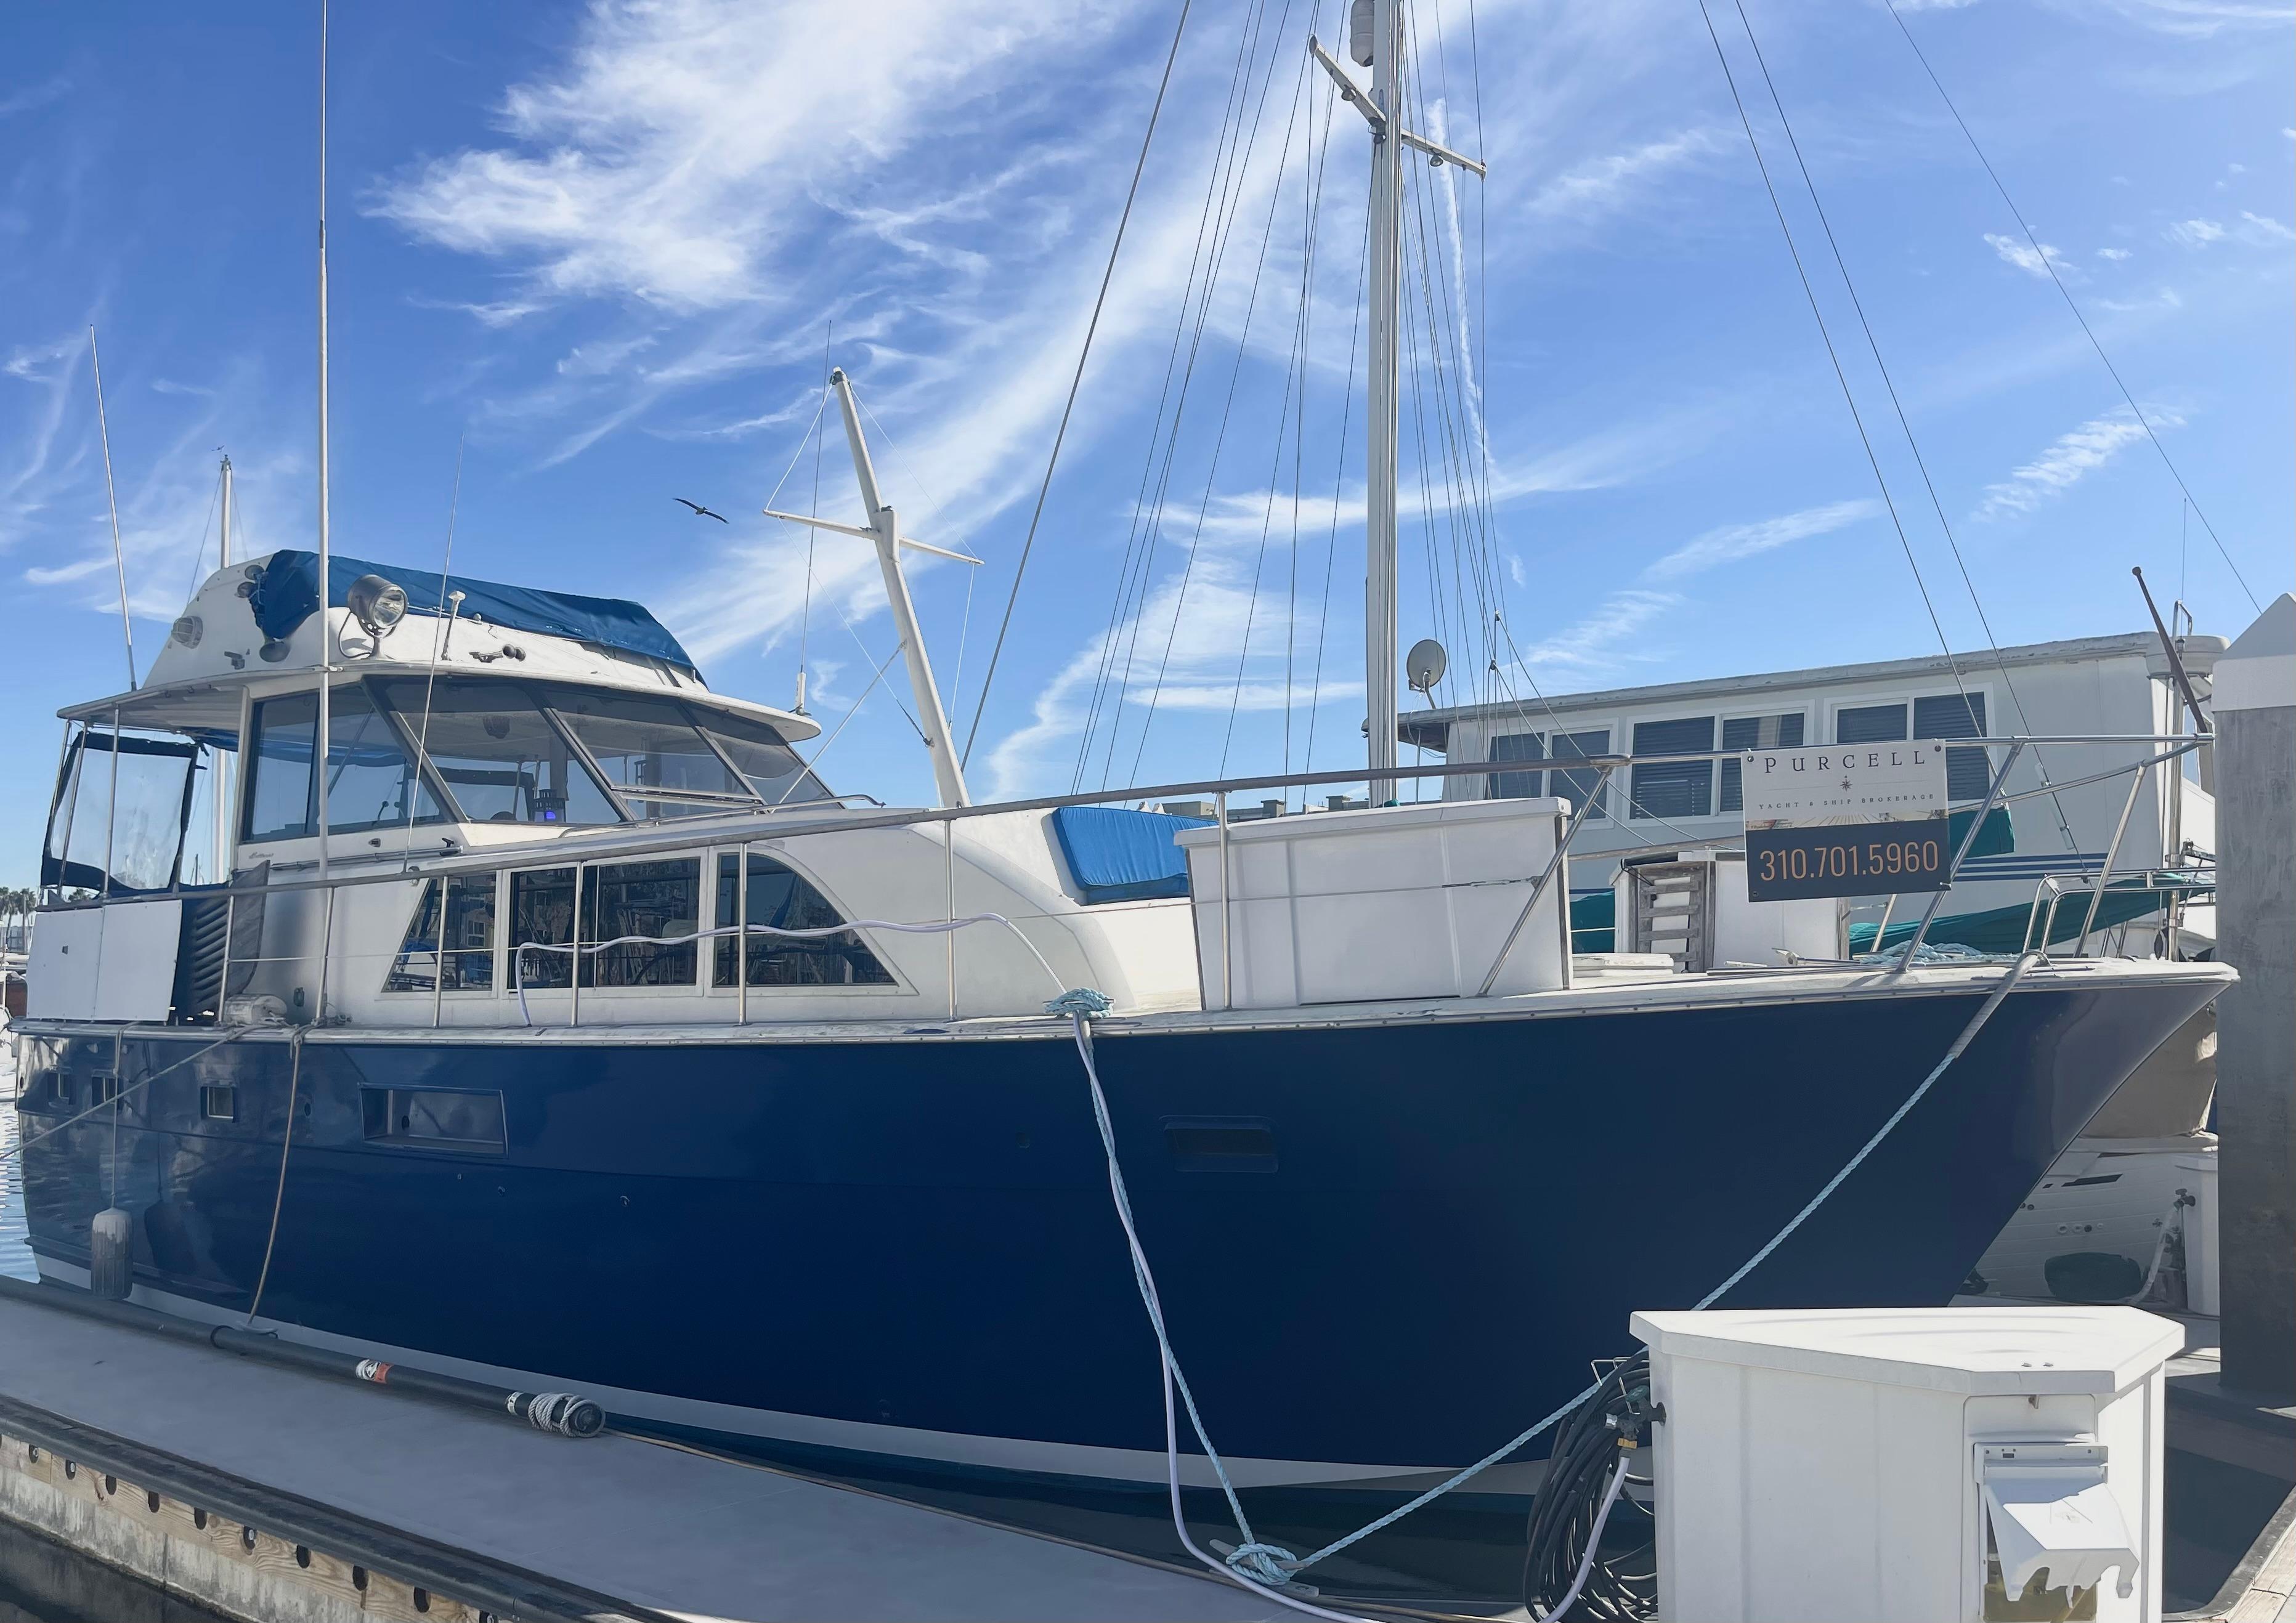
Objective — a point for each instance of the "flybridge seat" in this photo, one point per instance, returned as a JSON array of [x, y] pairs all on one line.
[[289, 593]]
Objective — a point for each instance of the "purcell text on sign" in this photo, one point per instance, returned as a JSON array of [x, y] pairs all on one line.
[[1851, 820]]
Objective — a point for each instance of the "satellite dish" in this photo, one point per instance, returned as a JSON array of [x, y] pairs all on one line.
[[1425, 664]]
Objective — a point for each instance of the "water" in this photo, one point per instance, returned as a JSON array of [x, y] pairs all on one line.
[[15, 1241]]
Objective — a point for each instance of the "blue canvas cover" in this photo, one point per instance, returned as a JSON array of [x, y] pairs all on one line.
[[289, 592], [1121, 856]]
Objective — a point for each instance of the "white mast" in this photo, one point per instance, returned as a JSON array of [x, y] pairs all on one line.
[[1375, 31], [219, 785], [884, 530], [1385, 225], [320, 749]]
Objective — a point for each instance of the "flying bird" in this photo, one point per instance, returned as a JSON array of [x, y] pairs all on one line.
[[701, 512]]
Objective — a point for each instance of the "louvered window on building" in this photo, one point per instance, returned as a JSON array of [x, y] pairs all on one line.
[[1967, 773], [1754, 732], [1581, 785], [1674, 789], [1517, 785], [1870, 724]]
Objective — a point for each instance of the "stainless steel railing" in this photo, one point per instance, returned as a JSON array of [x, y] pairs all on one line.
[[738, 833]]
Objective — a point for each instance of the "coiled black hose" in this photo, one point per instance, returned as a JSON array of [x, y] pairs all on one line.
[[1590, 1551]]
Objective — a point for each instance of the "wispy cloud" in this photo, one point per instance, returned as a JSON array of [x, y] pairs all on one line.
[[2196, 233], [2264, 228], [2194, 19], [2071, 459], [498, 313], [2022, 256], [1604, 183], [1595, 642], [1734, 542], [35, 96], [2115, 254]]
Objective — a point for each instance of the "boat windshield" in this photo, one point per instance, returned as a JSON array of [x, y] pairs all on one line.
[[498, 755], [499, 750]]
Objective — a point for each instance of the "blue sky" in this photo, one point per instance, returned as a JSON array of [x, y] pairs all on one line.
[[601, 246]]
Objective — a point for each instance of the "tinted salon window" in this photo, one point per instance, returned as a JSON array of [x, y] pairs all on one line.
[[640, 899]]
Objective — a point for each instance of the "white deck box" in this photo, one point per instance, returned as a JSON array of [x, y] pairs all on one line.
[[1394, 901], [1891, 1465]]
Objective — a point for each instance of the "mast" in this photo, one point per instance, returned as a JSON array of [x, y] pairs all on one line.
[[321, 748], [1375, 31], [1385, 225], [885, 531], [219, 786], [949, 773]]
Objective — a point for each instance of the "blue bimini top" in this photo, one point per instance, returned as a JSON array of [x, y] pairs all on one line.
[[288, 591], [1121, 856]]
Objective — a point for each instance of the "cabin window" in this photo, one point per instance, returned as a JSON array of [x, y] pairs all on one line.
[[1517, 785], [369, 778], [651, 752], [499, 754], [1967, 773], [542, 913], [1673, 789], [1754, 732], [461, 946], [758, 752], [640, 899], [781, 899]]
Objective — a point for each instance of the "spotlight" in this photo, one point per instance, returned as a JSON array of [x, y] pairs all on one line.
[[376, 603]]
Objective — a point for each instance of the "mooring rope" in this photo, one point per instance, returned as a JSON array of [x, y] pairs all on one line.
[[1262, 1567]]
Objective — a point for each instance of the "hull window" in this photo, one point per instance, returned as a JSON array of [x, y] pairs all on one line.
[[781, 899], [434, 1119], [219, 1102], [461, 946], [641, 898]]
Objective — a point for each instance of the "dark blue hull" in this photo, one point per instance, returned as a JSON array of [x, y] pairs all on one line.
[[1378, 1246]]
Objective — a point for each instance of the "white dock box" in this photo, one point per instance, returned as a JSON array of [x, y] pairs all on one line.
[[1394, 901], [1909, 1465]]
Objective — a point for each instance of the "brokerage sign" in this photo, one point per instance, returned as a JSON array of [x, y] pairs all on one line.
[[1849, 820]]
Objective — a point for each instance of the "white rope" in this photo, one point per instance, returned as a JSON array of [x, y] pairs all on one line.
[[1278, 1563]]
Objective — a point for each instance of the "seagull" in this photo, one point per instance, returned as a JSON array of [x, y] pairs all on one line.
[[701, 512]]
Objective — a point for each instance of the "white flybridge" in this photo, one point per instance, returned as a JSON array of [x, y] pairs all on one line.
[[884, 530], [1375, 41]]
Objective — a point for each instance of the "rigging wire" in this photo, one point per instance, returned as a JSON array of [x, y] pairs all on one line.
[[1826, 337], [200, 556], [1294, 372], [1969, 707], [1084, 354], [1338, 484], [2042, 254], [1139, 542], [805, 614], [1227, 410], [1232, 203]]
